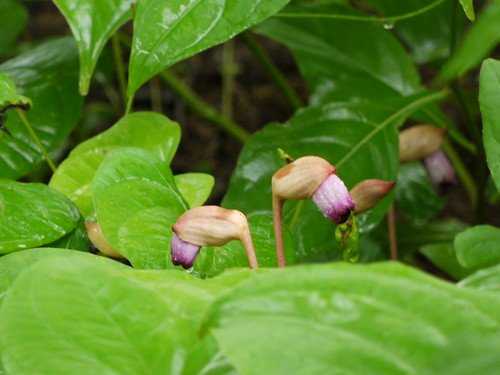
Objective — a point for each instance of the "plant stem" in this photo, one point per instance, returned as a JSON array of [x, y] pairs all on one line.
[[278, 230], [462, 172], [120, 68], [229, 71], [202, 108], [276, 75], [391, 227], [155, 93], [35, 138], [347, 17]]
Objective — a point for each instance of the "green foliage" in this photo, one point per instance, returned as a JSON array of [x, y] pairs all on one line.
[[195, 187], [9, 97], [13, 18], [478, 247]]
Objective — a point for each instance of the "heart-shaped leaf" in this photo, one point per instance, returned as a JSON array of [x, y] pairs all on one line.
[[92, 24], [32, 215], [166, 32], [47, 75], [147, 130], [387, 318], [137, 203], [195, 187]]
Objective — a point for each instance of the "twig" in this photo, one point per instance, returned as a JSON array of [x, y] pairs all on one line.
[[391, 229], [276, 75]]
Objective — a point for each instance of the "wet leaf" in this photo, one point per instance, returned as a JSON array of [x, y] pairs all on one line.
[[195, 187]]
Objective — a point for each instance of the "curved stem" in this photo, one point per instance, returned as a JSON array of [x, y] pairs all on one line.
[[347, 17], [278, 230], [35, 138], [246, 240]]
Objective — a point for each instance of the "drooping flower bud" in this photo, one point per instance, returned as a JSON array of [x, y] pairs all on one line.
[[309, 177], [440, 170], [209, 226], [97, 239], [333, 199], [418, 142], [368, 193]]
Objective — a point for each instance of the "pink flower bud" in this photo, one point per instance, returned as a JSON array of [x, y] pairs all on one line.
[[183, 253], [333, 199], [440, 170], [368, 193]]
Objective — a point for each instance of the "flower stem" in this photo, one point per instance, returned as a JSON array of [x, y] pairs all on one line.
[[202, 108], [276, 75], [246, 240], [35, 138], [278, 230], [391, 228]]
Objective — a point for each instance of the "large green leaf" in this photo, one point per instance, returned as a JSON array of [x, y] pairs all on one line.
[[489, 97], [86, 314], [13, 18], [137, 203], [482, 37], [166, 32], [147, 130], [195, 187], [93, 23], [339, 60], [77, 239], [487, 279], [345, 319], [47, 75], [32, 215], [9, 96], [359, 138], [214, 260], [478, 246], [415, 195]]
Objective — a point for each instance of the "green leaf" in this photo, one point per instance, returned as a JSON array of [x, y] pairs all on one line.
[[340, 318], [195, 187], [166, 32], [77, 239], [13, 18], [360, 139], [339, 61], [147, 130], [489, 97], [479, 41], [468, 7], [92, 24], [47, 75], [487, 279], [99, 317], [32, 215], [137, 203], [415, 195], [213, 260], [478, 247], [9, 97], [443, 256]]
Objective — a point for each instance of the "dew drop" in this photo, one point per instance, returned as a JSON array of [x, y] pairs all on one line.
[[388, 25]]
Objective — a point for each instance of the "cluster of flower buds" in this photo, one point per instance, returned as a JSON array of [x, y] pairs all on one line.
[[97, 239], [209, 226], [311, 177], [423, 142]]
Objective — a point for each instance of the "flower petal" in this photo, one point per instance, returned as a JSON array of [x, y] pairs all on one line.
[[333, 199], [183, 253]]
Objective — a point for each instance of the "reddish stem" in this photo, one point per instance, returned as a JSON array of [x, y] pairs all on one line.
[[391, 224], [278, 231], [246, 239]]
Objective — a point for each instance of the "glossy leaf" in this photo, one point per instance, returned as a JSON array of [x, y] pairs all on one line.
[[481, 38], [214, 260], [489, 97], [166, 32], [92, 24], [384, 319], [137, 203], [487, 279], [339, 61], [195, 187], [33, 215], [415, 195], [9, 96], [360, 139], [444, 257], [478, 246], [77, 239], [147, 130], [13, 18], [47, 75], [468, 7], [100, 317]]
